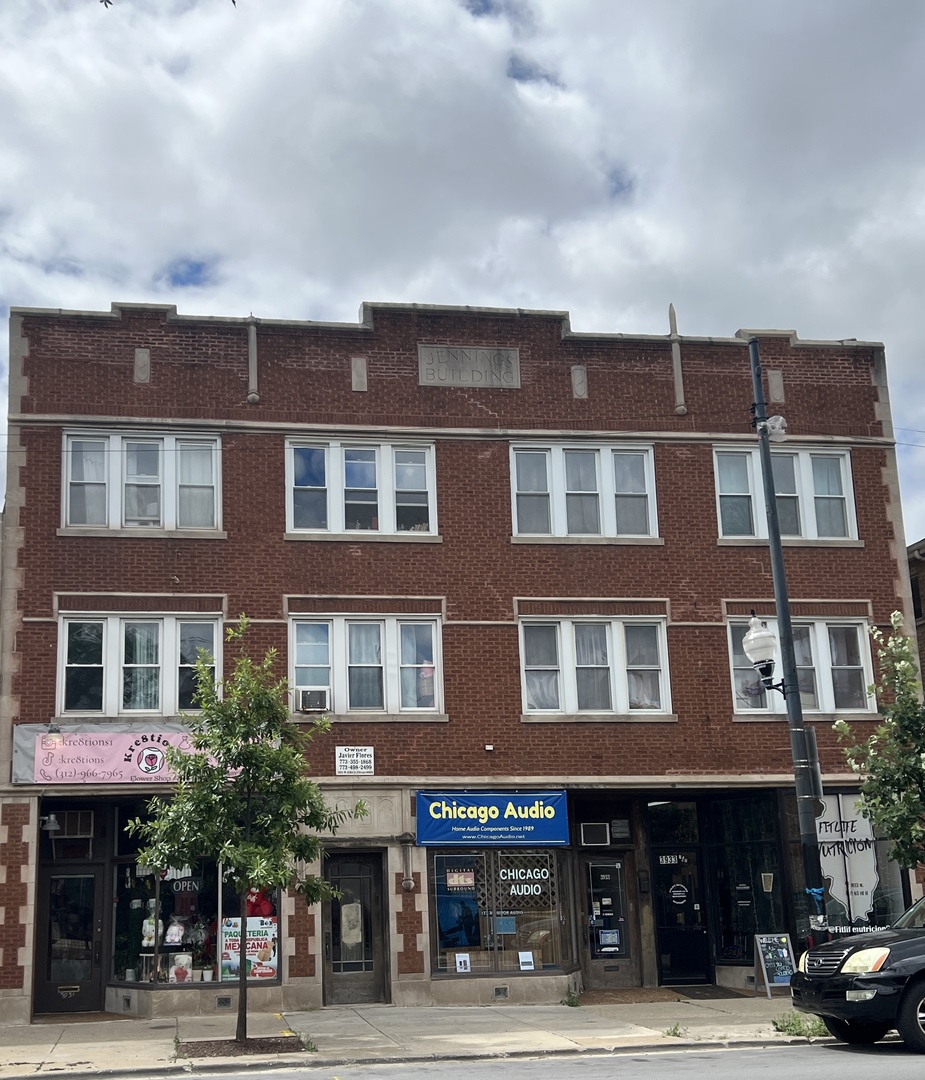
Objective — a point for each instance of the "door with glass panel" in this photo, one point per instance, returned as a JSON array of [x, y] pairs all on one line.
[[354, 948], [69, 944]]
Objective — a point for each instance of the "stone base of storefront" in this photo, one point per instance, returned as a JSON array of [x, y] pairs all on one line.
[[498, 990]]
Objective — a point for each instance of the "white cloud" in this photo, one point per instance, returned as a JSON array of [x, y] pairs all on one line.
[[758, 165]]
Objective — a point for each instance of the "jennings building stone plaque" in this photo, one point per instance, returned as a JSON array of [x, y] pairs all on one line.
[[468, 365]]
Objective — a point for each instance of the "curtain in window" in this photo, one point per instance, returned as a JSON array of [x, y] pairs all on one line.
[[831, 516], [532, 493], [581, 500], [847, 670], [141, 671], [197, 491], [417, 666], [785, 486], [541, 660], [735, 502], [592, 674], [364, 675], [87, 503], [632, 503], [642, 651], [142, 484]]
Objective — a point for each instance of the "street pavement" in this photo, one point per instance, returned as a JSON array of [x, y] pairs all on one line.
[[382, 1033]]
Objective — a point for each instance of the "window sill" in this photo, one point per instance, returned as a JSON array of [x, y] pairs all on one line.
[[145, 534], [649, 541], [376, 718], [789, 541], [369, 535], [851, 715], [642, 716]]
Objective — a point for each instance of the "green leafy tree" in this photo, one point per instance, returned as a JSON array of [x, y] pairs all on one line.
[[891, 761], [241, 795]]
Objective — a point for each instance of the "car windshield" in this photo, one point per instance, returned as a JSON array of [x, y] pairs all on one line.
[[913, 918]]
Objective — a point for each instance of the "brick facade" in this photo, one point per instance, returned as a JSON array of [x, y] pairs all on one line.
[[79, 373]]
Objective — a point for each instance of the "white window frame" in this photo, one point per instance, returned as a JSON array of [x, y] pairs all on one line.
[[114, 480], [617, 664], [774, 702], [805, 492], [390, 655], [113, 661], [335, 487], [555, 454]]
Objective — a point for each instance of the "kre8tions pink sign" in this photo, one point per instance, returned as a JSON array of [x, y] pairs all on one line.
[[95, 757]]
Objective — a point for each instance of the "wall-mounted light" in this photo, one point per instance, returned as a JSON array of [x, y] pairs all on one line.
[[407, 880], [49, 823]]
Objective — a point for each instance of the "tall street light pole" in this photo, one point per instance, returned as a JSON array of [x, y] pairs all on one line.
[[760, 650]]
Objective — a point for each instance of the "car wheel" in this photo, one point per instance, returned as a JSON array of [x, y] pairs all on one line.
[[910, 1020], [858, 1032]]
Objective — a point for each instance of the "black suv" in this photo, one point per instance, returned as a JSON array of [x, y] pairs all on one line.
[[864, 985]]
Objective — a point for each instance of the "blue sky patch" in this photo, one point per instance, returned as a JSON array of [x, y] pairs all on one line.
[[188, 273], [520, 69]]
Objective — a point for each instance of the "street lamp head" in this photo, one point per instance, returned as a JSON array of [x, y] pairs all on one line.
[[760, 646]]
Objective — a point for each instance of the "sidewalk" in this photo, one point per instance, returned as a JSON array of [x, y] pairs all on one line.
[[375, 1033]]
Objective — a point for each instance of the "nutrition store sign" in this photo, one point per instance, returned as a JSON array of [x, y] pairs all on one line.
[[502, 818]]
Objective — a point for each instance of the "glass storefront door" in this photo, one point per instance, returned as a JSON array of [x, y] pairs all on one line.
[[69, 946], [681, 929], [354, 947]]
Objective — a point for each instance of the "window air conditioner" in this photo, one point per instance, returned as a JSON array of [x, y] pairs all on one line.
[[595, 834], [313, 701]]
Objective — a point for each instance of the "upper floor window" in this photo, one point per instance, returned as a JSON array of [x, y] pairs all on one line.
[[813, 490], [583, 491], [142, 482], [360, 664], [337, 487], [114, 664], [832, 662], [597, 666]]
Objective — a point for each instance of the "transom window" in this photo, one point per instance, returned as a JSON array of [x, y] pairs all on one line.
[[595, 666], [340, 487], [583, 491], [813, 490], [833, 668], [116, 664], [141, 482], [361, 664]]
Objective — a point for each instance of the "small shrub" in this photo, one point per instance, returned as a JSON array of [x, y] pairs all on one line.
[[571, 998], [794, 1023], [676, 1031]]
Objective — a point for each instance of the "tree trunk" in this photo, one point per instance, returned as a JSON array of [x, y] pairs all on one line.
[[240, 1034]]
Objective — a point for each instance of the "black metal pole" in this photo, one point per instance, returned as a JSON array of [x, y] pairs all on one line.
[[803, 767]]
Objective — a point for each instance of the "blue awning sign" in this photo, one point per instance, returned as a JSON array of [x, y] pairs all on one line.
[[498, 818]]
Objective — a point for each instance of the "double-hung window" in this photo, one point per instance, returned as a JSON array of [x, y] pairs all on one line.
[[114, 665], [812, 489], [367, 664], [141, 482], [594, 666], [565, 490], [832, 667], [347, 487]]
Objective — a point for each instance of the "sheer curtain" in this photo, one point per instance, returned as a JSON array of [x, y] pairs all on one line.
[[541, 661], [196, 486], [364, 673], [141, 670], [87, 504], [592, 670], [831, 517]]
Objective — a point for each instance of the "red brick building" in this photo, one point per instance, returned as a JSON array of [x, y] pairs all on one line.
[[514, 564]]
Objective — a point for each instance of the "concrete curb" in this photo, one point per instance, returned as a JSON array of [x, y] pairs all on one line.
[[309, 1060]]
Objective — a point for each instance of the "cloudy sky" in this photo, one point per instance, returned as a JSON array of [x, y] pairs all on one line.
[[758, 165]]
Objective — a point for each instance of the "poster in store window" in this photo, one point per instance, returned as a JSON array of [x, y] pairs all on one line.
[[457, 900], [261, 952]]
